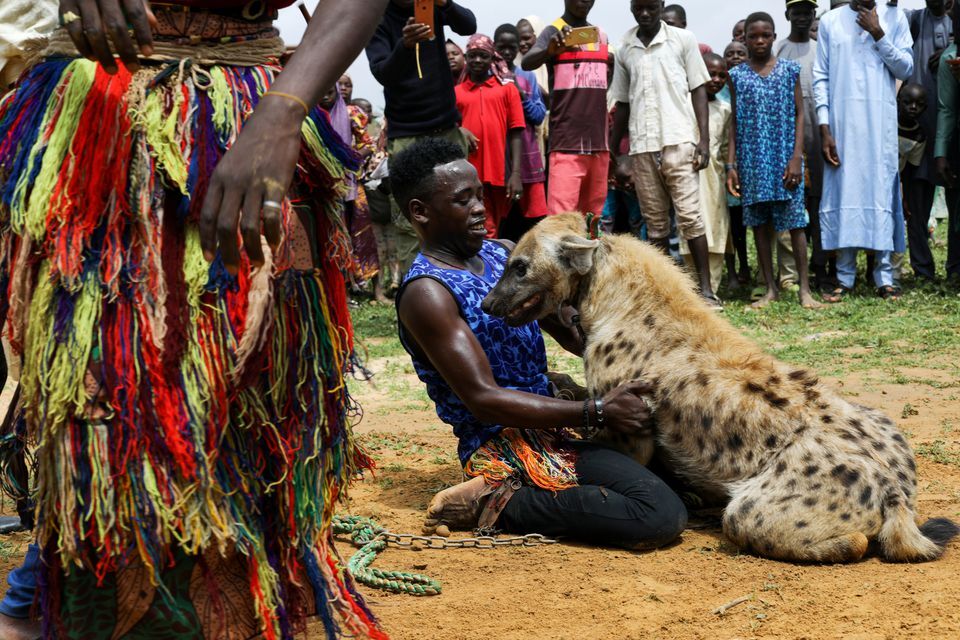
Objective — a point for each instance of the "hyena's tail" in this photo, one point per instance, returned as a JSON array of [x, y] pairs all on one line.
[[901, 540]]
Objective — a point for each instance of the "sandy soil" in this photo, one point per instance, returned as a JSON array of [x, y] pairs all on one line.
[[567, 591]]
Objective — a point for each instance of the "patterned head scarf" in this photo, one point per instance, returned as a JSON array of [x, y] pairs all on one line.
[[484, 43]]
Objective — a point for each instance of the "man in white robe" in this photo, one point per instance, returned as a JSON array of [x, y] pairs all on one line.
[[862, 50]]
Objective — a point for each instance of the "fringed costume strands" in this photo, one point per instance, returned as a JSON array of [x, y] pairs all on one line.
[[191, 427]]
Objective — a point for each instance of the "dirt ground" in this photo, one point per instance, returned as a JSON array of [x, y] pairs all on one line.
[[568, 591]]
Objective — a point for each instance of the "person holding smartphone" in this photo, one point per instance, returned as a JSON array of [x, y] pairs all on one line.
[[577, 58]]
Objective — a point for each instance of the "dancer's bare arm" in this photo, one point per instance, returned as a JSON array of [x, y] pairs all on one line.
[[260, 165]]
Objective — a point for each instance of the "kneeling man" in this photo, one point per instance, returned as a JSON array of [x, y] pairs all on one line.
[[489, 382]]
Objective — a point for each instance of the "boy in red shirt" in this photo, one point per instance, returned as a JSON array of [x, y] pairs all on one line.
[[491, 109]]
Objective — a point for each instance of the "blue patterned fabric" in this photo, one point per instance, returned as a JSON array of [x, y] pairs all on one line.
[[766, 126], [517, 355]]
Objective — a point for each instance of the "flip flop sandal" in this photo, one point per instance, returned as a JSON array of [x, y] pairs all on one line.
[[757, 292], [889, 293], [836, 295]]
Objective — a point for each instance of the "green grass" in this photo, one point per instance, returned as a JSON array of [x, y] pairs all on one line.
[[939, 452]]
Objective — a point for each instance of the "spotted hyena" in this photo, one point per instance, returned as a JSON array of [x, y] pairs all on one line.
[[807, 475]]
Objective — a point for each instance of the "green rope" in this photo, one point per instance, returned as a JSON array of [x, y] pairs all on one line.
[[364, 533]]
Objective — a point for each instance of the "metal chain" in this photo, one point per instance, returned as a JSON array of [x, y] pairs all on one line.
[[372, 539], [411, 541]]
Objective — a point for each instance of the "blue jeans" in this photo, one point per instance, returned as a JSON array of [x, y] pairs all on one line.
[[847, 268], [23, 586]]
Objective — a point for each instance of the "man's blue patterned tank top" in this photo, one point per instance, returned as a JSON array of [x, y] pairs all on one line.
[[517, 355]]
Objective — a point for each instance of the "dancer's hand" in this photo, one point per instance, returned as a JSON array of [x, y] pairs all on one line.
[[250, 181], [94, 24]]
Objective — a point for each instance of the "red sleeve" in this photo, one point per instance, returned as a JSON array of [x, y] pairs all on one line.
[[515, 118]]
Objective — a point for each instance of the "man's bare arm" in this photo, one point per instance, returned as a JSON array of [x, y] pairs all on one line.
[[432, 319]]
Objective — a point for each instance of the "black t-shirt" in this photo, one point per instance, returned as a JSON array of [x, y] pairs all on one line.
[[416, 105]]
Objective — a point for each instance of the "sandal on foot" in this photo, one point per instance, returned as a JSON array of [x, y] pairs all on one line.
[[889, 293], [836, 295]]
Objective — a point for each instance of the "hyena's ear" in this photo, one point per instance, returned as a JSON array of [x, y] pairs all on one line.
[[577, 251]]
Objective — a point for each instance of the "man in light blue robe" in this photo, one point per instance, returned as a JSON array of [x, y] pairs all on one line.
[[860, 55]]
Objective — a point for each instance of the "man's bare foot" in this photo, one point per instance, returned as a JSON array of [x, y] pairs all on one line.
[[457, 507], [770, 296], [733, 282], [807, 301], [19, 628]]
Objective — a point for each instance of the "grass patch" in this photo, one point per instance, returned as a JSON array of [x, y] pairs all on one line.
[[938, 452]]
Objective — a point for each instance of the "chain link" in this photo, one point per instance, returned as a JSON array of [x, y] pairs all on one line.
[[412, 541], [372, 539]]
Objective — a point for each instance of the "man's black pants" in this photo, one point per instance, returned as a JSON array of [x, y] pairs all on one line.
[[618, 503], [918, 194]]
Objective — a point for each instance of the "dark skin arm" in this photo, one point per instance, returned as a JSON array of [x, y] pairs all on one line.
[[540, 55], [260, 164], [700, 110], [733, 175], [830, 152], [565, 334], [432, 319], [514, 181], [793, 176], [621, 120]]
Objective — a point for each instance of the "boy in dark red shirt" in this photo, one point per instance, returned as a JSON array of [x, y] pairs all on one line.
[[491, 109]]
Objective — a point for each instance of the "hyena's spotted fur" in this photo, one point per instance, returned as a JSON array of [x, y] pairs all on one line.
[[808, 475]]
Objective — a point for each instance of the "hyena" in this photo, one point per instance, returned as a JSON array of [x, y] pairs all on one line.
[[807, 475]]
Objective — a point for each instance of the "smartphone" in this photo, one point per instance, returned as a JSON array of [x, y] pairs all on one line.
[[423, 14], [579, 36]]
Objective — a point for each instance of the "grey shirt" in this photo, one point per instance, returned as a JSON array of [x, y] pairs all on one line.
[[804, 53]]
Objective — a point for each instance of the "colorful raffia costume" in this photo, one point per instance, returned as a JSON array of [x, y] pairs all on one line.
[[191, 427]]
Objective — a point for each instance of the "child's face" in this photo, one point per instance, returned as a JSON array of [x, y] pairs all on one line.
[[718, 76], [911, 103], [507, 46], [527, 37], [479, 62], [330, 97], [674, 20], [760, 36], [738, 31], [734, 54], [814, 28], [455, 58]]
